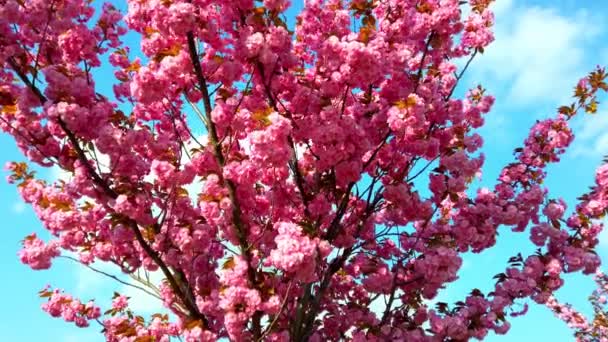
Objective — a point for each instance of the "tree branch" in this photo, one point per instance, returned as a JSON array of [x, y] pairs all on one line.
[[177, 289], [112, 277], [219, 156]]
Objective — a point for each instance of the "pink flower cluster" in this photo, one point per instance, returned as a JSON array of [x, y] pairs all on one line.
[[38, 254], [295, 252], [586, 330], [70, 309]]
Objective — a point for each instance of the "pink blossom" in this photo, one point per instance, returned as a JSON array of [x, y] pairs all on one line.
[[37, 254]]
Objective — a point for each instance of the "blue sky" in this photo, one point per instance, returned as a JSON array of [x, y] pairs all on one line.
[[542, 49]]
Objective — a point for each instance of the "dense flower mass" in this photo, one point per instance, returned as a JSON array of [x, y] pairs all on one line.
[[301, 208]]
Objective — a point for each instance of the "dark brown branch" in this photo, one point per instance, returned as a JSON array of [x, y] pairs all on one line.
[[395, 284], [334, 227], [219, 156], [421, 67], [302, 332], [409, 179], [293, 162], [30, 141], [459, 76], [276, 318], [177, 289]]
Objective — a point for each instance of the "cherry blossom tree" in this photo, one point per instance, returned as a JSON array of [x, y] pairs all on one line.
[[335, 173], [597, 329]]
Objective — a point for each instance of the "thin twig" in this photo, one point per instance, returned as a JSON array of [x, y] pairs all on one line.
[[112, 276], [188, 297], [237, 220], [276, 318], [459, 76]]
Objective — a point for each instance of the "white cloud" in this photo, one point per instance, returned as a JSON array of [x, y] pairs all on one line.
[[538, 53], [90, 282], [143, 303], [58, 173], [195, 188], [501, 7], [245, 145], [378, 305], [96, 285], [591, 135]]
